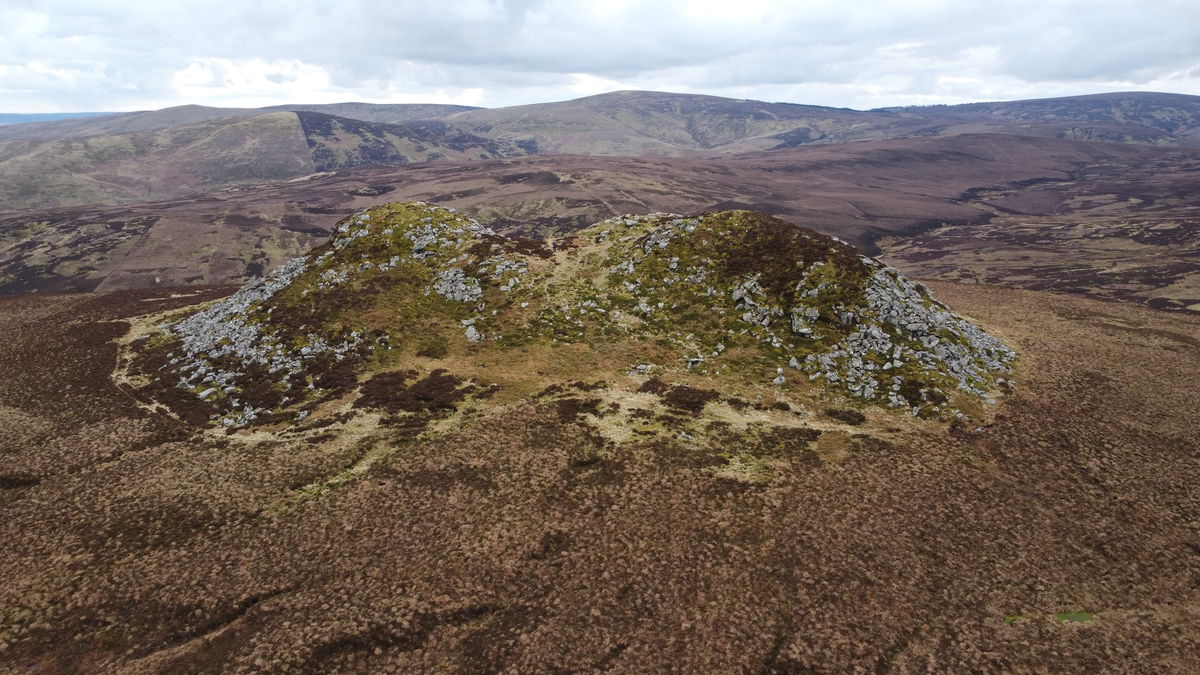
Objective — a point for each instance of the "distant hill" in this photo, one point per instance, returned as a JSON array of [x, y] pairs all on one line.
[[1125, 117], [859, 192], [120, 123], [378, 112], [24, 118], [125, 157], [644, 122], [157, 162], [341, 142], [100, 124]]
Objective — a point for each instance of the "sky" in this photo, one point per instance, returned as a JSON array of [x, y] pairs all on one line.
[[115, 55]]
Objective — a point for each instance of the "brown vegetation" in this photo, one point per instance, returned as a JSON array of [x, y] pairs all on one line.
[[1060, 535], [858, 192]]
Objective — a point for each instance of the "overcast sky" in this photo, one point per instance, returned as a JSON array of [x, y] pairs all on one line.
[[91, 55]]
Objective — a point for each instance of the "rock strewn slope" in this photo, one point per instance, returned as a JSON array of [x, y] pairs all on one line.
[[729, 299]]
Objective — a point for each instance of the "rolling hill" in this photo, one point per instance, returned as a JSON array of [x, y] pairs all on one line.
[[1106, 220], [106, 124], [28, 118], [165, 159], [80, 161], [644, 122], [1124, 117]]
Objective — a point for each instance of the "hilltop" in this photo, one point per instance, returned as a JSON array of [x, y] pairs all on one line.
[[413, 300], [1122, 117], [108, 124], [30, 118]]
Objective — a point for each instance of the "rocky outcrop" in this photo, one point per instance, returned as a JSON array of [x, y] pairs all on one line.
[[800, 310]]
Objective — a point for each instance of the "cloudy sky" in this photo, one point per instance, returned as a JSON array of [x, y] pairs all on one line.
[[76, 55]]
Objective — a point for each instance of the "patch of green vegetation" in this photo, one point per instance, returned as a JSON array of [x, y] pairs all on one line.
[[434, 346], [18, 234], [707, 296], [1013, 618], [746, 468], [1074, 617], [320, 489]]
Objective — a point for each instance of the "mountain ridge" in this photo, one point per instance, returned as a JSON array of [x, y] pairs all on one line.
[[626, 123], [180, 115], [221, 152]]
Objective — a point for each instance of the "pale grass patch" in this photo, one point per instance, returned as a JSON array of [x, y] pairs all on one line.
[[833, 446], [746, 468]]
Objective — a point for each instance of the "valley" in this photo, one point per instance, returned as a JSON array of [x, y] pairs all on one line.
[[1099, 219]]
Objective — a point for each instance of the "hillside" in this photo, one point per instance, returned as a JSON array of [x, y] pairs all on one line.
[[339, 142], [27, 118], [643, 122], [151, 165], [1123, 117], [107, 124], [436, 526], [1105, 220], [217, 153], [65, 163], [120, 123], [655, 123], [387, 113]]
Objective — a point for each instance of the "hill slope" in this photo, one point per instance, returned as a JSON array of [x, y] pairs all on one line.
[[106, 124], [645, 122], [1124, 117], [629, 123], [153, 164], [387, 113], [27, 118], [734, 299], [1103, 219], [217, 153], [1058, 536]]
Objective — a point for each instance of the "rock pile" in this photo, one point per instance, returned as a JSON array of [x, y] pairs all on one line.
[[815, 310], [232, 345], [828, 311]]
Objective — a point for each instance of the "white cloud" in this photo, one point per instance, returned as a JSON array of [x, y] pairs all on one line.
[[252, 82], [123, 54]]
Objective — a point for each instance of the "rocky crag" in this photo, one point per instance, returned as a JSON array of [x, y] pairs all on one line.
[[731, 307]]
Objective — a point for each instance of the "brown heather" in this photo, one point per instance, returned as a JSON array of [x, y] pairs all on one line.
[[526, 541]]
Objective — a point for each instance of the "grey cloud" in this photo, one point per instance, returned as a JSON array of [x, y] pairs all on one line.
[[115, 54]]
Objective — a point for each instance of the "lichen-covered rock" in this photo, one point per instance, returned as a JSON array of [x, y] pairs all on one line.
[[733, 294]]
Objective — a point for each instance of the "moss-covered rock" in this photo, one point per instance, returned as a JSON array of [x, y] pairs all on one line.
[[731, 297]]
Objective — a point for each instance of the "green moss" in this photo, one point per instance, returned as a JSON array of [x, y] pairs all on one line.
[[433, 346], [18, 234], [1074, 617], [600, 297], [746, 468]]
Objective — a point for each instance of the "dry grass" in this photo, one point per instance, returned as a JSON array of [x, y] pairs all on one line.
[[505, 537]]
